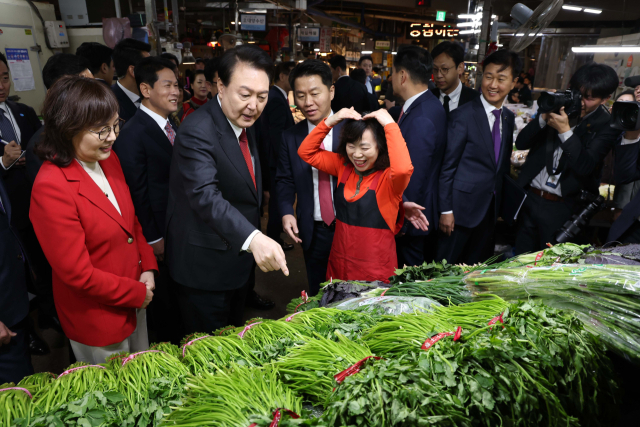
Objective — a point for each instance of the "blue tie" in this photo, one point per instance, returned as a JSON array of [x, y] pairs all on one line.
[[6, 129]]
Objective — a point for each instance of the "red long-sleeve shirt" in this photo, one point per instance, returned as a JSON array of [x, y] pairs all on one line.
[[392, 183]]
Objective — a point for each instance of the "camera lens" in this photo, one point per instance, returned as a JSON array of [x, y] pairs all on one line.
[[629, 117], [547, 102]]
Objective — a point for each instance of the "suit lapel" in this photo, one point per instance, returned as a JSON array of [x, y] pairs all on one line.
[[21, 123], [482, 121], [505, 146], [5, 202], [155, 133]]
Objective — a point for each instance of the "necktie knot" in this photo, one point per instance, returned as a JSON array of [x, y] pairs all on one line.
[[497, 113], [171, 134]]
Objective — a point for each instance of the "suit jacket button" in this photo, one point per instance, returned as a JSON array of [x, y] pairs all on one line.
[[130, 240], [140, 262], [19, 256]]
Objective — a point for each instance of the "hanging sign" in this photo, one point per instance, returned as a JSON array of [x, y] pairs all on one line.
[[253, 22], [325, 39], [382, 45], [416, 31], [309, 34]]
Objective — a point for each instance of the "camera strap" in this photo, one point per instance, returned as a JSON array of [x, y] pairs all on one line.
[[553, 142]]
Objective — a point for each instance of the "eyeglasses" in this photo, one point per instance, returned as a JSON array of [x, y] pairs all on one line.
[[104, 133], [442, 71]]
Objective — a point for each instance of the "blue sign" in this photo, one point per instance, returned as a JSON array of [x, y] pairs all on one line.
[[17, 54]]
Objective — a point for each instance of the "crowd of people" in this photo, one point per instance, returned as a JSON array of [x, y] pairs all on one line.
[[135, 209]]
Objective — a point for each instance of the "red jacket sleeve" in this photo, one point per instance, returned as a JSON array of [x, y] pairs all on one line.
[[310, 152], [60, 233]]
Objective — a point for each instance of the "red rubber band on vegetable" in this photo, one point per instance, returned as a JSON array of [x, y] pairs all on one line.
[[291, 317], [384, 292], [458, 333], [225, 329], [538, 257], [305, 300], [434, 339], [277, 415], [17, 388], [353, 369], [246, 328], [134, 355], [496, 320], [80, 367], [184, 347]]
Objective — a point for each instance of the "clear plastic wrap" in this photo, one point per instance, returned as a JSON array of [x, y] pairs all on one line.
[[388, 304]]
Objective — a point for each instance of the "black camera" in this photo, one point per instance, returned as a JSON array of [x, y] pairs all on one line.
[[625, 115], [571, 100], [571, 228]]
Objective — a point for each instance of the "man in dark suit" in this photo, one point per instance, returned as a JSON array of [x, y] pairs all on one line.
[[564, 158], [521, 94], [144, 147], [213, 238], [348, 92], [626, 229], [448, 65], [15, 360], [423, 125], [312, 88], [126, 55], [474, 165], [360, 76], [100, 61]]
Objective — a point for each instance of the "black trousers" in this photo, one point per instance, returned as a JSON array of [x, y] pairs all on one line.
[[632, 235], [316, 258], [414, 250], [15, 360], [274, 224], [206, 311], [469, 245], [538, 222], [164, 322], [42, 283]]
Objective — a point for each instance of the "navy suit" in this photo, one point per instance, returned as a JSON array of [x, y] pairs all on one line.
[[471, 181], [423, 126], [295, 177], [15, 361], [350, 93], [127, 107], [275, 119], [626, 229]]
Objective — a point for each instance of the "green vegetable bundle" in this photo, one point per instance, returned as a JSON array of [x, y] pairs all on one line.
[[331, 323], [37, 381], [72, 384], [167, 347], [563, 253], [271, 339], [15, 402], [445, 290], [139, 369], [426, 271], [309, 369], [208, 353], [229, 399], [299, 304]]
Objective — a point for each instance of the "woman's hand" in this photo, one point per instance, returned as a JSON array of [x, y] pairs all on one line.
[[149, 280], [147, 298], [382, 116], [345, 113], [413, 213]]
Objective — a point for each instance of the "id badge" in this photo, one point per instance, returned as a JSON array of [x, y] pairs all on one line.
[[552, 181]]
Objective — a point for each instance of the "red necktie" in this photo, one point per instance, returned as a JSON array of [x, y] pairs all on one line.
[[401, 114], [244, 147], [171, 134], [324, 194]]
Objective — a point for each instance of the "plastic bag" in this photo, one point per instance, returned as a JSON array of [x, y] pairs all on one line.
[[388, 304], [115, 30]]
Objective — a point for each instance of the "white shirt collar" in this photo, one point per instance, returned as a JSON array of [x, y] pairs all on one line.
[[409, 101], [161, 121], [4, 106], [346, 75], [132, 96], [311, 126], [282, 91], [488, 107], [236, 129], [455, 95]]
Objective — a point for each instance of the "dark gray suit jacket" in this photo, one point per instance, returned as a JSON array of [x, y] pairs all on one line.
[[213, 204]]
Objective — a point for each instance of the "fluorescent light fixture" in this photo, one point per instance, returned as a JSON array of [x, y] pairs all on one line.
[[316, 50], [323, 54], [596, 11], [362, 43], [520, 35], [233, 22], [366, 52], [394, 53], [569, 7], [470, 16], [500, 45], [467, 24], [469, 32], [477, 47], [606, 49]]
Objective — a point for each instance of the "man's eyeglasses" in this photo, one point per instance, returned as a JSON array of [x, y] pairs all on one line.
[[444, 71], [103, 133]]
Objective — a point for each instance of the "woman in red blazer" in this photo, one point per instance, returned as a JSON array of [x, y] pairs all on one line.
[[85, 221]]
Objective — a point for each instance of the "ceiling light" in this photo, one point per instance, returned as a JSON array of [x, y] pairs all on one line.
[[569, 7], [362, 43], [606, 49], [467, 24], [316, 50], [367, 52], [520, 35], [469, 32], [233, 22], [323, 54], [596, 11], [470, 16], [477, 47], [394, 53]]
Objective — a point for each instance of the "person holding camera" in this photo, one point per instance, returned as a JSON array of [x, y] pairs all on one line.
[[567, 146]]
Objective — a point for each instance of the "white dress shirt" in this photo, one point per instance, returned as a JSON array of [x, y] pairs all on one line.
[[454, 96], [488, 108], [97, 175], [368, 85], [161, 121], [409, 101], [285, 94], [328, 145], [135, 98], [238, 130], [4, 109]]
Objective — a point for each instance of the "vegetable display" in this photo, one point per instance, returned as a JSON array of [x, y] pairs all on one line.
[[15, 402]]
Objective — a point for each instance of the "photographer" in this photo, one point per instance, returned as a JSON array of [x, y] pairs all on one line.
[[565, 158]]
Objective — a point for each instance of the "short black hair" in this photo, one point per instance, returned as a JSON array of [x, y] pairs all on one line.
[[96, 53], [352, 132], [63, 64], [505, 58], [452, 50], [338, 61], [416, 61], [197, 73], [631, 92], [311, 67], [147, 70], [170, 57], [359, 75], [283, 67], [364, 58], [199, 61], [249, 54], [127, 53], [210, 69], [4, 59], [599, 80]]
